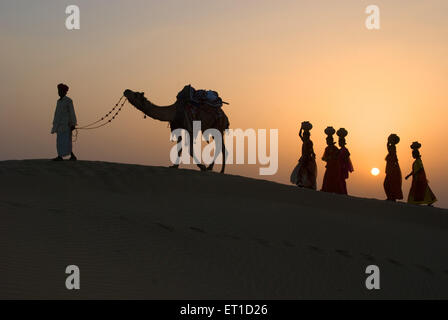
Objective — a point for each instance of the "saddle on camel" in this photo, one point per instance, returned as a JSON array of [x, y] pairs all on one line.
[[199, 105]]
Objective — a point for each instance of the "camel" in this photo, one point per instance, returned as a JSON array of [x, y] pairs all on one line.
[[177, 117]]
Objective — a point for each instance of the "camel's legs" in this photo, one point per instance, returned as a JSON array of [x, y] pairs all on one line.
[[179, 153], [191, 147], [210, 167], [224, 151], [201, 166]]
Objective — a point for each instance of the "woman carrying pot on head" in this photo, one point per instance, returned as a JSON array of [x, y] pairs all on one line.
[[304, 174]]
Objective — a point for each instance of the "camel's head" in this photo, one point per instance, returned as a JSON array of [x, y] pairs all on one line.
[[135, 98]]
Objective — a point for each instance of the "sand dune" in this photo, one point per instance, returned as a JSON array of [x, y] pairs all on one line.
[[158, 233]]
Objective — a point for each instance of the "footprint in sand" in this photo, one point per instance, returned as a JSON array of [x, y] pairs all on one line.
[[344, 253], [288, 244], [196, 229], [395, 262], [368, 257], [315, 249], [84, 172], [110, 183], [16, 204], [55, 210], [61, 169], [230, 236], [425, 269], [164, 226], [263, 242]]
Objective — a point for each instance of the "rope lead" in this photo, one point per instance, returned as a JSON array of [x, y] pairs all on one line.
[[93, 125]]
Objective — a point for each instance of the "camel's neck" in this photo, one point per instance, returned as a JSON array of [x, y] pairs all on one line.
[[162, 113]]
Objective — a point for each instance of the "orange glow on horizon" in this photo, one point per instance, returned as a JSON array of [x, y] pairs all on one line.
[[276, 65]]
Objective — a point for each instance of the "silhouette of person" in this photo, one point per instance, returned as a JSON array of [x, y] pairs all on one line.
[[331, 182], [393, 180], [345, 163], [64, 123], [304, 174], [420, 192]]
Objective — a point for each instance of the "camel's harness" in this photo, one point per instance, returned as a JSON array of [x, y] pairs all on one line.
[[105, 120]]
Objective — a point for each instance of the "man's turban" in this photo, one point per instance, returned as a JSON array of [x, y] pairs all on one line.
[[63, 87]]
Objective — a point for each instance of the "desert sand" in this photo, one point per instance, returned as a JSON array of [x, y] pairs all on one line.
[[157, 233]]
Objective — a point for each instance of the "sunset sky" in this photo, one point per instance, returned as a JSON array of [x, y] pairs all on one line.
[[278, 63]]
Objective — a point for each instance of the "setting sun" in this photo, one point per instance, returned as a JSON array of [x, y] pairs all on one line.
[[375, 171]]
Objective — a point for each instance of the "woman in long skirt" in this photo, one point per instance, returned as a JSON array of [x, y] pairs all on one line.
[[305, 173], [393, 180], [332, 174], [420, 192], [345, 162]]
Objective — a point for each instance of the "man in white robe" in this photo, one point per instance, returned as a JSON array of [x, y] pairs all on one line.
[[64, 123]]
